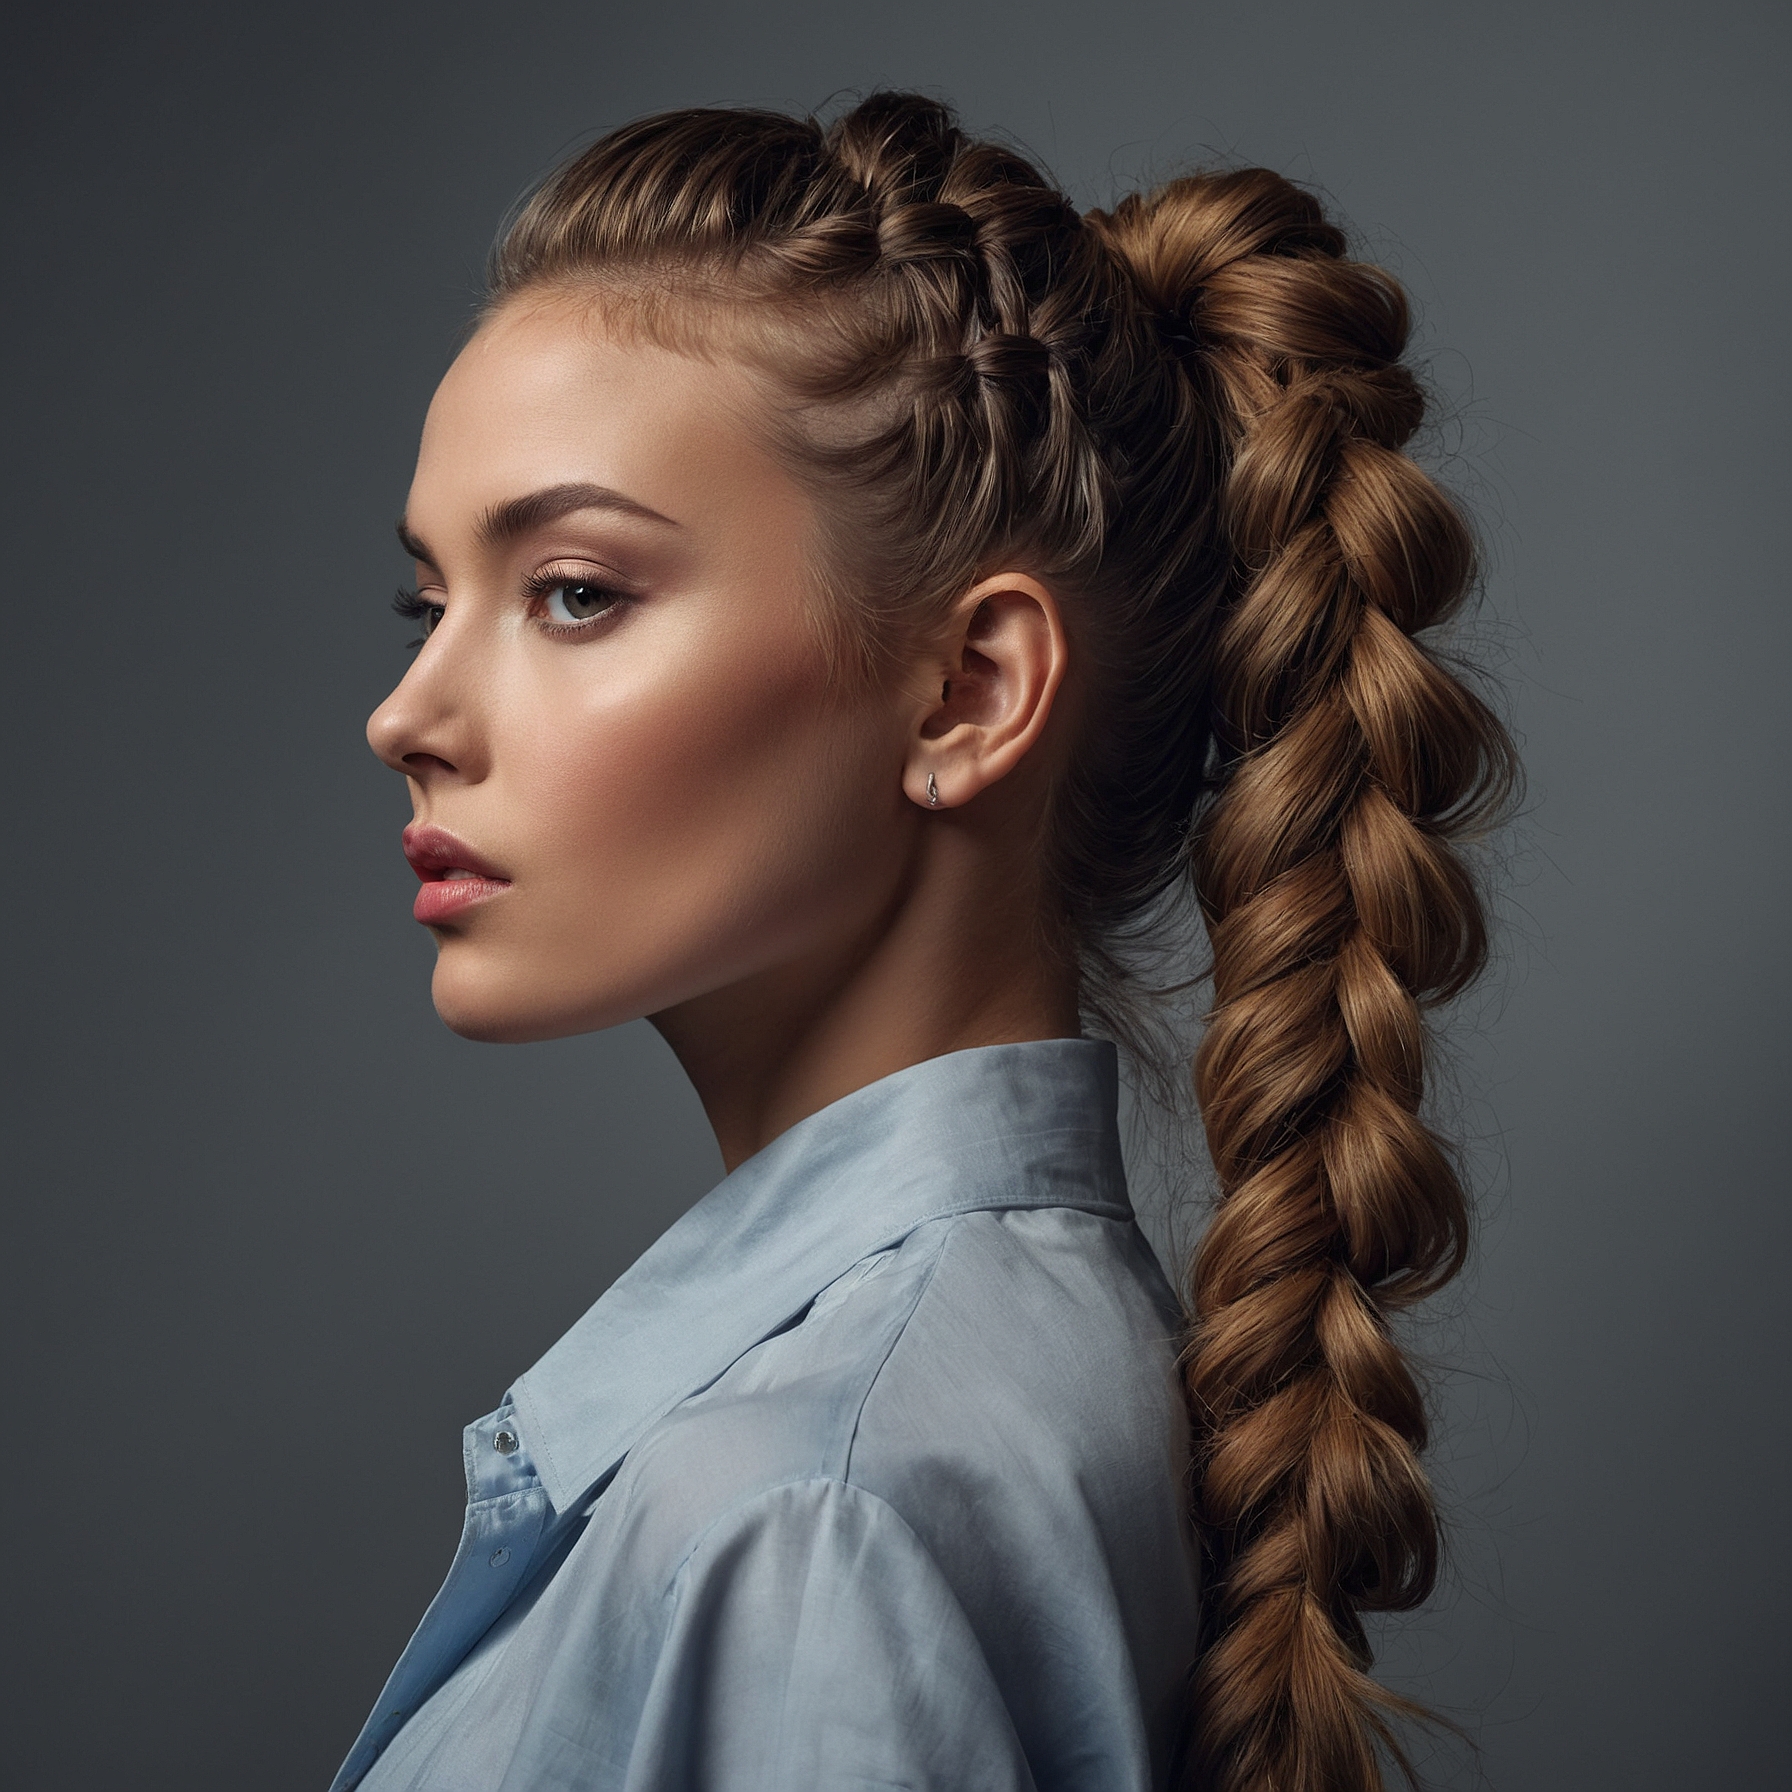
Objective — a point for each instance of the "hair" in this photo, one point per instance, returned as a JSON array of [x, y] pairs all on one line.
[[1187, 415]]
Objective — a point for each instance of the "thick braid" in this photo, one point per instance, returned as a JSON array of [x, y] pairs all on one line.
[[1336, 904], [1189, 415]]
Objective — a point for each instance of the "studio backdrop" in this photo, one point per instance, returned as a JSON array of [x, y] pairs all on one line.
[[275, 1235]]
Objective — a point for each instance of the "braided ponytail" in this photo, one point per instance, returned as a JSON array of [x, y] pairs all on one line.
[[1335, 905], [1188, 416]]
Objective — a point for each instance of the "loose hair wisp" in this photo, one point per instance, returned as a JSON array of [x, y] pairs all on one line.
[[1188, 415]]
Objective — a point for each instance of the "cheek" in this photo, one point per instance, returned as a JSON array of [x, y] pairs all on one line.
[[691, 828]]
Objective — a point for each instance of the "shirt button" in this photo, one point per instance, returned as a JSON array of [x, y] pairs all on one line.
[[500, 1558], [504, 1443]]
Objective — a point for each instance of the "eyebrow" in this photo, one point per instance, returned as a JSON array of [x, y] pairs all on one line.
[[505, 521]]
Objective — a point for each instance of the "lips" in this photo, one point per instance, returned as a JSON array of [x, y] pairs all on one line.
[[454, 877]]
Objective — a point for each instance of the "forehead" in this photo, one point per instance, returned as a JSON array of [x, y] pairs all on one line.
[[548, 393]]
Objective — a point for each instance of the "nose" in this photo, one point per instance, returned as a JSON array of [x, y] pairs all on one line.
[[421, 730]]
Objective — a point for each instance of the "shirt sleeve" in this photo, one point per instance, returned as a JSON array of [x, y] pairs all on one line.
[[813, 1645]]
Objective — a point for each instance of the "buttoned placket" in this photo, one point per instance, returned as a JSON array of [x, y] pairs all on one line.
[[507, 1518]]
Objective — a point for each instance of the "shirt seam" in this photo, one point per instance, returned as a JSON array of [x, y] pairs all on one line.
[[896, 1337], [814, 1478], [1102, 1208], [817, 1477]]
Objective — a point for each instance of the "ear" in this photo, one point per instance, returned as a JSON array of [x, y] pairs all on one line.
[[996, 675]]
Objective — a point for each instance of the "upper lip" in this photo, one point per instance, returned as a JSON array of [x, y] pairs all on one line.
[[434, 852]]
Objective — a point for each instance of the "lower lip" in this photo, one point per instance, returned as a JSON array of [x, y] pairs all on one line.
[[444, 897]]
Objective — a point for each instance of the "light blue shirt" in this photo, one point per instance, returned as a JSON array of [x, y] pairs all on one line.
[[868, 1474]]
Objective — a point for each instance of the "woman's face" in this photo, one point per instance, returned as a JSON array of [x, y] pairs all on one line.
[[634, 782]]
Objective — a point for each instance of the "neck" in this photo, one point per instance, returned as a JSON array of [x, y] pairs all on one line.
[[963, 956]]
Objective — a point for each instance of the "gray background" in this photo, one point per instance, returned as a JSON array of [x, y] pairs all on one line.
[[274, 1235]]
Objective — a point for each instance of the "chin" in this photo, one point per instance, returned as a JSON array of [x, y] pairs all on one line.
[[499, 1010]]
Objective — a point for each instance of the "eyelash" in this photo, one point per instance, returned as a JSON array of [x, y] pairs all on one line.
[[412, 605]]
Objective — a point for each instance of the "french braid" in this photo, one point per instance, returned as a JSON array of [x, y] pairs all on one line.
[[1189, 415]]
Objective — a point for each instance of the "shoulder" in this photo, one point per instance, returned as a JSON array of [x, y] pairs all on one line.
[[784, 1413], [1046, 1331], [1048, 1325], [1029, 1422], [964, 1463]]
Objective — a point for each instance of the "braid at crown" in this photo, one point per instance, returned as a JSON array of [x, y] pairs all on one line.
[[1188, 415]]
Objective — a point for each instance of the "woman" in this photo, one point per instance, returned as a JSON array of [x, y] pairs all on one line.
[[858, 596]]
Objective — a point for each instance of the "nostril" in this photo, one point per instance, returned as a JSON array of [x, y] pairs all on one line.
[[418, 764]]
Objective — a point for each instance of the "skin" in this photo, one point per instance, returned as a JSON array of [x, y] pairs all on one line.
[[698, 824]]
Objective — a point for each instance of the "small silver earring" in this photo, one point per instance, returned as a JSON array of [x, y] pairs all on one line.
[[933, 792]]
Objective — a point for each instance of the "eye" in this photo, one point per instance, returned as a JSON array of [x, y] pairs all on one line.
[[416, 608], [576, 600]]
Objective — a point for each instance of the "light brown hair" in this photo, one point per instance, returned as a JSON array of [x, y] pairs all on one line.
[[1188, 416]]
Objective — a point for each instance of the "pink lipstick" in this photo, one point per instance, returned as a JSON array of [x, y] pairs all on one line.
[[452, 874]]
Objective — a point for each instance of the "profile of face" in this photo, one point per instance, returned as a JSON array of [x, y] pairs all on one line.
[[636, 776]]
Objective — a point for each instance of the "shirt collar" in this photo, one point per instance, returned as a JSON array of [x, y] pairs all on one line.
[[998, 1126]]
